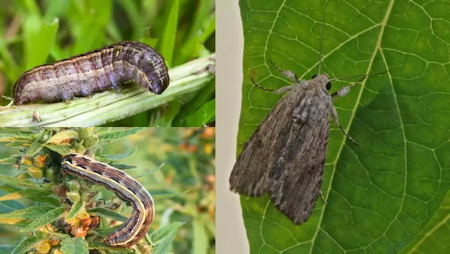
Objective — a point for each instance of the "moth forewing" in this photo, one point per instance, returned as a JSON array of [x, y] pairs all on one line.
[[285, 156]]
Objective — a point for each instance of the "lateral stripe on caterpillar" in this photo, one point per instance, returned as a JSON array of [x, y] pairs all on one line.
[[93, 72], [128, 189]]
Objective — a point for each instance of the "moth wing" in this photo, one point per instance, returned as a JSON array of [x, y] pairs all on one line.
[[286, 154], [250, 172], [296, 175]]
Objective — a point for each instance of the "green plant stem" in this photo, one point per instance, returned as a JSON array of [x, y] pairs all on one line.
[[110, 106]]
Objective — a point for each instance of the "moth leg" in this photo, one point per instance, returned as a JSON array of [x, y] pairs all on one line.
[[287, 73], [335, 117], [281, 90], [323, 197], [341, 92]]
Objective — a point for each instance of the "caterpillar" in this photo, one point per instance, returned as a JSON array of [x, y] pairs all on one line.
[[126, 188], [93, 72]]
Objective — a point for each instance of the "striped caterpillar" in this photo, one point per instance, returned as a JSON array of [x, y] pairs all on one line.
[[126, 188], [93, 72]]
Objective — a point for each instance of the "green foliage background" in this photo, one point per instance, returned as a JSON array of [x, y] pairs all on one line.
[[388, 193], [174, 164], [35, 32]]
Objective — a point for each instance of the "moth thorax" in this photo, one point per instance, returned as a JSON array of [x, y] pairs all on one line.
[[322, 80]]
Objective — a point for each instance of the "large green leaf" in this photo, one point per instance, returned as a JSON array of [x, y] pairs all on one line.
[[435, 235], [382, 192]]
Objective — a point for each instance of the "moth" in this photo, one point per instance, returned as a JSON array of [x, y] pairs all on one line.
[[285, 156], [126, 188], [93, 72]]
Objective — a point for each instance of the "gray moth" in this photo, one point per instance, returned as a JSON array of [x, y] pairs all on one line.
[[285, 156]]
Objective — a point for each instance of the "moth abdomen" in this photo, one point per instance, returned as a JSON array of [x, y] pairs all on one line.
[[93, 72]]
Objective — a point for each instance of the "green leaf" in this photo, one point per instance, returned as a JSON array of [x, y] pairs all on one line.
[[15, 134], [9, 206], [75, 209], [165, 231], [435, 235], [120, 156], [8, 61], [116, 134], [380, 193], [163, 116], [25, 245], [200, 244], [6, 248], [94, 16], [109, 249], [203, 96], [164, 245], [8, 160], [62, 149], [36, 145], [166, 44], [63, 136], [202, 27], [44, 219], [38, 34], [204, 115], [74, 246], [13, 181], [40, 195], [26, 213], [135, 17], [108, 213]]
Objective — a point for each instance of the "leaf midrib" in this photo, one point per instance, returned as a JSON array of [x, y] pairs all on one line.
[[344, 139]]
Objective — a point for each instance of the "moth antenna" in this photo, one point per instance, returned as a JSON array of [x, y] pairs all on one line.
[[280, 90], [321, 37], [363, 76], [287, 73], [260, 86], [335, 117]]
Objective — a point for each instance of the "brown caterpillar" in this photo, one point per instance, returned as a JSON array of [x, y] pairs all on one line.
[[93, 72], [127, 188]]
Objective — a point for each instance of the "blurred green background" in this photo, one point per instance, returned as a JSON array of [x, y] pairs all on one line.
[[35, 32], [176, 165]]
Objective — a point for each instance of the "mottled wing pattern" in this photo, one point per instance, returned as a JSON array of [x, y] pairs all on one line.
[[286, 155]]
